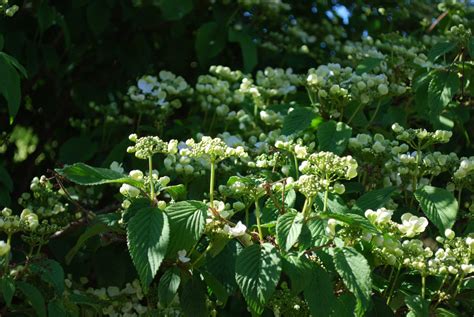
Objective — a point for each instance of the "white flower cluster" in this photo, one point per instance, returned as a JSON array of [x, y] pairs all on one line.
[[163, 92], [212, 149], [421, 137], [330, 166], [464, 174], [218, 92], [27, 221], [146, 147]]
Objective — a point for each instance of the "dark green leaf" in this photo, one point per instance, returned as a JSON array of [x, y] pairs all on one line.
[[374, 199], [34, 297], [210, 41], [351, 219], [417, 305], [288, 229], [187, 220], [193, 298], [333, 136], [168, 286], [257, 272], [298, 269], [298, 120], [319, 292], [439, 205], [440, 49], [77, 149], [7, 287], [56, 308], [148, 236], [51, 272], [5, 179], [355, 273], [177, 192], [175, 10], [216, 287], [84, 174], [441, 90], [247, 46], [10, 86]]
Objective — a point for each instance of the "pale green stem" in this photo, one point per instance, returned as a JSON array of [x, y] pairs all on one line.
[[150, 172], [211, 185], [296, 165], [326, 193], [257, 218], [458, 288], [307, 206], [423, 285]]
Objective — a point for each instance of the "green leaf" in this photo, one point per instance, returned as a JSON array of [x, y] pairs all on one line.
[[247, 46], [34, 297], [441, 90], [470, 47], [168, 286], [175, 10], [222, 266], [84, 174], [210, 41], [288, 229], [56, 308], [216, 287], [439, 205], [257, 272], [351, 219], [418, 306], [2, 42], [91, 231], [177, 192], [46, 16], [5, 179], [440, 49], [297, 120], [335, 203], [313, 234], [374, 199], [187, 220], [51, 272], [98, 16], [333, 136], [355, 273], [14, 62], [193, 298], [10, 86], [7, 287], [367, 65], [319, 293], [148, 236], [73, 150], [298, 269]]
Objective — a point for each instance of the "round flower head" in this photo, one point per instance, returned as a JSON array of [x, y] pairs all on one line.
[[146, 147], [213, 149]]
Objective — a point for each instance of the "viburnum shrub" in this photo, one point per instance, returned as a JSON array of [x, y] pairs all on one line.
[[345, 189]]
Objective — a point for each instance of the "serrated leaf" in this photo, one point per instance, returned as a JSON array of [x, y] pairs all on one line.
[[247, 46], [175, 10], [319, 292], [222, 266], [441, 90], [288, 229], [333, 136], [439, 205], [367, 65], [355, 273], [187, 220], [335, 203], [84, 174], [216, 287], [148, 236], [10, 86], [313, 234], [351, 219], [51, 272], [257, 272], [298, 269], [374, 199], [298, 120], [440, 49], [7, 287], [177, 192], [168, 286], [34, 297], [210, 41], [193, 298]]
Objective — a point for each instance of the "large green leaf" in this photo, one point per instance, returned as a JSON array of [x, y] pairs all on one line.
[[148, 236], [73, 150], [175, 10], [319, 292], [439, 205], [210, 41], [418, 306], [84, 174], [216, 287], [247, 46], [288, 229], [33, 296], [298, 120], [51, 272], [333, 136], [441, 90], [10, 86], [193, 298], [257, 272], [374, 199], [7, 288], [298, 269], [168, 286], [187, 220], [355, 273], [440, 49]]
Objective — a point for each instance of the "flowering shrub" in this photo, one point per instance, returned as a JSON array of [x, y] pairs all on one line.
[[332, 189]]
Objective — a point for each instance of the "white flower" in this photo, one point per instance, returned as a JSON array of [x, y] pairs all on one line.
[[448, 233], [115, 166], [136, 174], [331, 227], [182, 256], [380, 216], [129, 190], [412, 225], [4, 248], [237, 231]]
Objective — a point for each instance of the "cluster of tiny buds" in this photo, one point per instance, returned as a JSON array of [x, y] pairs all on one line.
[[146, 147], [212, 149]]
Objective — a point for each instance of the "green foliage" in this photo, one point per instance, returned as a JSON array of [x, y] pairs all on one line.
[[84, 174], [439, 206], [168, 286], [288, 229], [333, 136]]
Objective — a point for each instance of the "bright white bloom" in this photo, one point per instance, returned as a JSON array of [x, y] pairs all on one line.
[[379, 217], [136, 174], [182, 256], [237, 231], [129, 190], [412, 225], [115, 166], [448, 233]]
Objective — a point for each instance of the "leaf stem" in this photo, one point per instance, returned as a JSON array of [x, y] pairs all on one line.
[[390, 293], [211, 183], [150, 173], [257, 218]]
